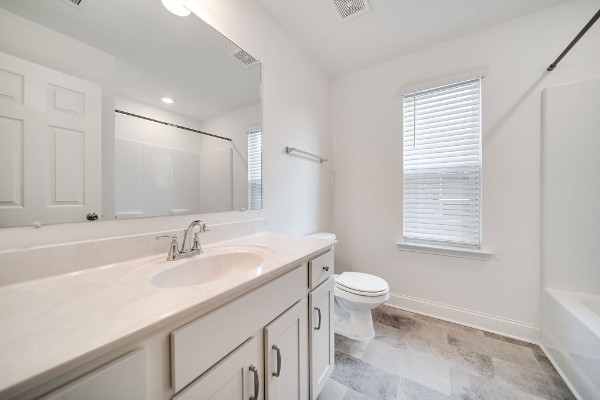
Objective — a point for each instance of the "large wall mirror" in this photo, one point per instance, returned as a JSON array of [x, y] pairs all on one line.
[[123, 110]]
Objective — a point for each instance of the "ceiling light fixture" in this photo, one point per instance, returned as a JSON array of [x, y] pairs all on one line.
[[176, 7], [168, 100]]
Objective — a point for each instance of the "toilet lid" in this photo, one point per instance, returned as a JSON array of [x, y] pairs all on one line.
[[358, 282]]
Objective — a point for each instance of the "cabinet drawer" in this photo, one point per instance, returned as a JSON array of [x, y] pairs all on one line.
[[199, 345], [320, 269], [231, 378], [122, 379]]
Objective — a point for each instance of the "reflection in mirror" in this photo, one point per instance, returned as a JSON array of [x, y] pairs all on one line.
[[124, 110]]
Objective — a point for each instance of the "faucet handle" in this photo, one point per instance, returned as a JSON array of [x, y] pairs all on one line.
[[173, 248], [195, 242]]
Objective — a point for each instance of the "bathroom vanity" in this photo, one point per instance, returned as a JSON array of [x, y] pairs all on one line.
[[259, 326]]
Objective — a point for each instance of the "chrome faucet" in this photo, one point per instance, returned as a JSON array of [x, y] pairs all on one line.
[[195, 248]]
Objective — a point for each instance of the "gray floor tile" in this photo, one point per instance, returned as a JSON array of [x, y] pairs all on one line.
[[470, 361], [540, 384], [410, 390], [376, 313], [447, 324], [332, 391], [421, 367], [412, 332], [364, 378], [467, 386], [353, 395], [354, 348], [544, 362], [510, 340], [430, 337], [398, 319], [494, 348], [390, 336], [420, 358]]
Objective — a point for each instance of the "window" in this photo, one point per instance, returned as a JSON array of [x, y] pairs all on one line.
[[255, 170], [442, 165]]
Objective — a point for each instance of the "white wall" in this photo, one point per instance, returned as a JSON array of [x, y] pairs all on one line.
[[502, 293], [571, 187], [236, 125], [296, 110], [139, 130]]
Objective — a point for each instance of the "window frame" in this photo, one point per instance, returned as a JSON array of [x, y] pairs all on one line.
[[249, 132], [448, 248]]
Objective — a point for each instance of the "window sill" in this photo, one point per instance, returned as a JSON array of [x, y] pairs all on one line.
[[444, 251]]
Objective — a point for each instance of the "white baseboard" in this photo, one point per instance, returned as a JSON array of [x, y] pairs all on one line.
[[502, 326]]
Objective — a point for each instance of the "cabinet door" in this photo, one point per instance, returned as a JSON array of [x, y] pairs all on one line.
[[286, 355], [236, 377], [320, 302]]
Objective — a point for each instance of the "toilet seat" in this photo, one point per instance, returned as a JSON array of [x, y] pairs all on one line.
[[361, 284], [360, 293]]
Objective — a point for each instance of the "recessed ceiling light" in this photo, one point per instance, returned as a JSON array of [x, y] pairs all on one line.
[[168, 100], [176, 7]]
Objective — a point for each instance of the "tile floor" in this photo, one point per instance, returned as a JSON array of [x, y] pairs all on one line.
[[415, 357]]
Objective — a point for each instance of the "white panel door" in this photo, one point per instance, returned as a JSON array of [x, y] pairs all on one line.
[[320, 303], [236, 377], [286, 355], [50, 134]]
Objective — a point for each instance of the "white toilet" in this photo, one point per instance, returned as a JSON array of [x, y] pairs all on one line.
[[356, 294]]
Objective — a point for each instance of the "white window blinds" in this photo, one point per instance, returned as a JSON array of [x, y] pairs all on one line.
[[442, 165], [255, 170]]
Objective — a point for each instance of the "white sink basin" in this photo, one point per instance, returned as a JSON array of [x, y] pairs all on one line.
[[210, 267]]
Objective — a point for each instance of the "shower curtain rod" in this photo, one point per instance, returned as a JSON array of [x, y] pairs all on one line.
[[173, 125], [579, 36]]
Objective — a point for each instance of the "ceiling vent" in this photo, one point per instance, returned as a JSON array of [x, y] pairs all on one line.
[[348, 9], [244, 58], [79, 4]]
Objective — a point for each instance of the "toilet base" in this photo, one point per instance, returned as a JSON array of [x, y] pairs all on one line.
[[356, 325]]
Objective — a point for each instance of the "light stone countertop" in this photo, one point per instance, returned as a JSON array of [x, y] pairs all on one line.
[[52, 325]]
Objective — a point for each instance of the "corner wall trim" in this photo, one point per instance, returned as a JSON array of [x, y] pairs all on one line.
[[502, 326]]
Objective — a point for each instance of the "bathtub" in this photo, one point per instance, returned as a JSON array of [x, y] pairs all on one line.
[[571, 338]]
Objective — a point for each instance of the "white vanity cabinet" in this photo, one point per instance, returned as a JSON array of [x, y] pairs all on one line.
[[274, 342], [296, 341], [321, 336]]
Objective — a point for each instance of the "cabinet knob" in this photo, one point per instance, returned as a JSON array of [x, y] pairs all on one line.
[[92, 216], [326, 268]]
